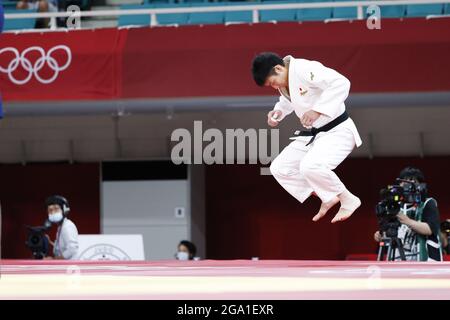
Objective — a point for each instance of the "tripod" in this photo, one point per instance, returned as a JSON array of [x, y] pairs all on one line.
[[392, 244]]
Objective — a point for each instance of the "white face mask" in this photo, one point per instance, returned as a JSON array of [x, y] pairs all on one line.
[[55, 217], [182, 255]]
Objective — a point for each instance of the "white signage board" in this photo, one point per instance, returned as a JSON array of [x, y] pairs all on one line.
[[118, 247]]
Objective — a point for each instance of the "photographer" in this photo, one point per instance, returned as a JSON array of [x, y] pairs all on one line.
[[419, 227], [66, 243]]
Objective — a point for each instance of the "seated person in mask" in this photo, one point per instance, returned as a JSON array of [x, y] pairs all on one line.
[[186, 250], [66, 244]]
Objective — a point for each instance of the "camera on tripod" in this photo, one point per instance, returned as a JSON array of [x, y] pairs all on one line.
[[393, 199], [37, 241]]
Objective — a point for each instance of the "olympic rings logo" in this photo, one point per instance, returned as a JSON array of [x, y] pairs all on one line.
[[34, 69]]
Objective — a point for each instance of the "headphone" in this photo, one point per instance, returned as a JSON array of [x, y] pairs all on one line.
[[60, 201]]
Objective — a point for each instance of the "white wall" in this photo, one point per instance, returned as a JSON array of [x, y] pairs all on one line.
[[147, 208]]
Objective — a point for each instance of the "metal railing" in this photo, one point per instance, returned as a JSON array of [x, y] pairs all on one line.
[[255, 8]]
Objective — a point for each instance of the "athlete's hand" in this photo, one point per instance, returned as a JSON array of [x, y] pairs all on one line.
[[271, 116], [309, 117]]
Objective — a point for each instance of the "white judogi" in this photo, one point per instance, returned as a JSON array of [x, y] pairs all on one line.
[[302, 169]]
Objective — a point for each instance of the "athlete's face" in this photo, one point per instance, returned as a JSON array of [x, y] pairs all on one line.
[[279, 79]]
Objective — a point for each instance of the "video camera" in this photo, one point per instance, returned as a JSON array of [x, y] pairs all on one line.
[[393, 198], [37, 242]]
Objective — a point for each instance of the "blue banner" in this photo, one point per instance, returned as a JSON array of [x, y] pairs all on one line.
[[2, 16], [2, 19]]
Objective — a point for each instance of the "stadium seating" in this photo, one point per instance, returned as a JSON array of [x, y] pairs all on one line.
[[172, 18], [19, 24], [390, 11], [135, 20], [162, 19], [319, 14], [422, 10], [239, 16], [159, 1], [193, 1], [9, 4], [246, 16], [345, 12], [278, 15], [206, 17]]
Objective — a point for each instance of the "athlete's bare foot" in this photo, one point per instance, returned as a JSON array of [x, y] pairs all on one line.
[[349, 203], [324, 207]]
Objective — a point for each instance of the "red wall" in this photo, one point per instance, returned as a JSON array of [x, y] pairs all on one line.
[[219, 57], [23, 190], [198, 61], [246, 214], [251, 215]]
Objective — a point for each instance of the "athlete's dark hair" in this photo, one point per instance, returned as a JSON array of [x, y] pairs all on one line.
[[263, 66]]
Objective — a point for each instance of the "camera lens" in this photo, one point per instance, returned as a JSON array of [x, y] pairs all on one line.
[[34, 239]]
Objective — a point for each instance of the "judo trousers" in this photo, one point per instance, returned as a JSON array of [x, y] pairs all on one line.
[[302, 169]]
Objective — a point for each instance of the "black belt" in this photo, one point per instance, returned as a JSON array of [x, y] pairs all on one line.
[[314, 131]]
